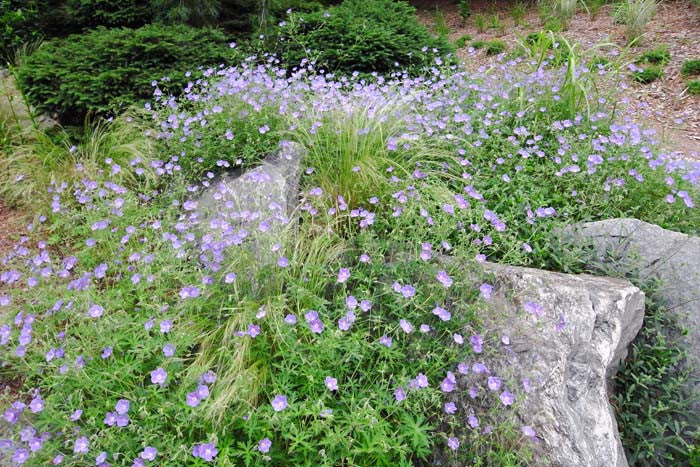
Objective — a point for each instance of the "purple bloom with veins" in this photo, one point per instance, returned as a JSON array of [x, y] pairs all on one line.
[[442, 313], [399, 394], [279, 403], [351, 302], [450, 408], [331, 383], [122, 406], [189, 292], [168, 350], [76, 415], [36, 405], [20, 456], [473, 392], [282, 262], [494, 383], [507, 398], [192, 399], [158, 376], [95, 311], [149, 453], [534, 308], [81, 445], [385, 340], [110, 419], [444, 279], [264, 445], [485, 291], [106, 352], [343, 275], [473, 421], [477, 343], [230, 278], [406, 326], [453, 443], [290, 319], [528, 431], [205, 451], [166, 326]]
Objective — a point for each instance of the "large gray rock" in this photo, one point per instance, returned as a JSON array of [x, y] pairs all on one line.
[[567, 348], [632, 246], [253, 209]]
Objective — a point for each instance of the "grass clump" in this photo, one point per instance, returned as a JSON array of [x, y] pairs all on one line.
[[635, 14], [491, 47], [648, 74], [658, 56], [694, 87], [691, 68], [463, 40]]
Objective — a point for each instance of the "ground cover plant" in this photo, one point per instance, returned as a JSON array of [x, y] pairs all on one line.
[[141, 331]]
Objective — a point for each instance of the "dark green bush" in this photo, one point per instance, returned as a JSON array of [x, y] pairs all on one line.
[[88, 14], [107, 70], [648, 74], [463, 40], [691, 67], [18, 24], [360, 35]]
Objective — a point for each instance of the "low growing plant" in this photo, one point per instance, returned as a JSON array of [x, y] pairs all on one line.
[[691, 67], [694, 87], [647, 74], [635, 14]]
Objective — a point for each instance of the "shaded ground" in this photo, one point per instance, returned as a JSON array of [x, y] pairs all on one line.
[[664, 105], [11, 227]]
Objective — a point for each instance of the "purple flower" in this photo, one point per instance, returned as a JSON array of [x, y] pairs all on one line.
[[279, 403], [149, 453], [189, 292], [290, 319], [36, 405], [76, 415], [122, 406], [528, 431], [534, 308], [283, 262], [453, 443], [264, 445], [385, 340], [399, 394], [20, 456], [442, 313], [494, 383], [450, 407], [421, 381], [101, 458], [192, 399], [343, 275], [168, 350], [230, 278], [507, 398], [165, 326], [205, 451], [473, 421], [95, 311], [406, 326], [485, 291], [331, 383], [81, 445], [477, 343], [158, 376], [444, 279]]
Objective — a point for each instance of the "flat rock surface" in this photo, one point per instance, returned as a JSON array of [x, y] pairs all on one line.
[[566, 348], [673, 258]]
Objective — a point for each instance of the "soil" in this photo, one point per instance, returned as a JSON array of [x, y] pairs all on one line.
[[11, 226], [664, 105]]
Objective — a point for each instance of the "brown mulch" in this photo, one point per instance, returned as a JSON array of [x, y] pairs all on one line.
[[11, 227], [664, 105]]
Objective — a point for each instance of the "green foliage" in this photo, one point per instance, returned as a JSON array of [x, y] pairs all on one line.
[[647, 75], [653, 411], [691, 67], [480, 22], [518, 13], [496, 23], [441, 28], [379, 36], [658, 56], [694, 87], [635, 14], [88, 14], [462, 41], [492, 47], [18, 25], [106, 70], [465, 9]]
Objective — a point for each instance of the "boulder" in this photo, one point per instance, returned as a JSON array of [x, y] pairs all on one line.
[[254, 207], [566, 335], [630, 246]]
